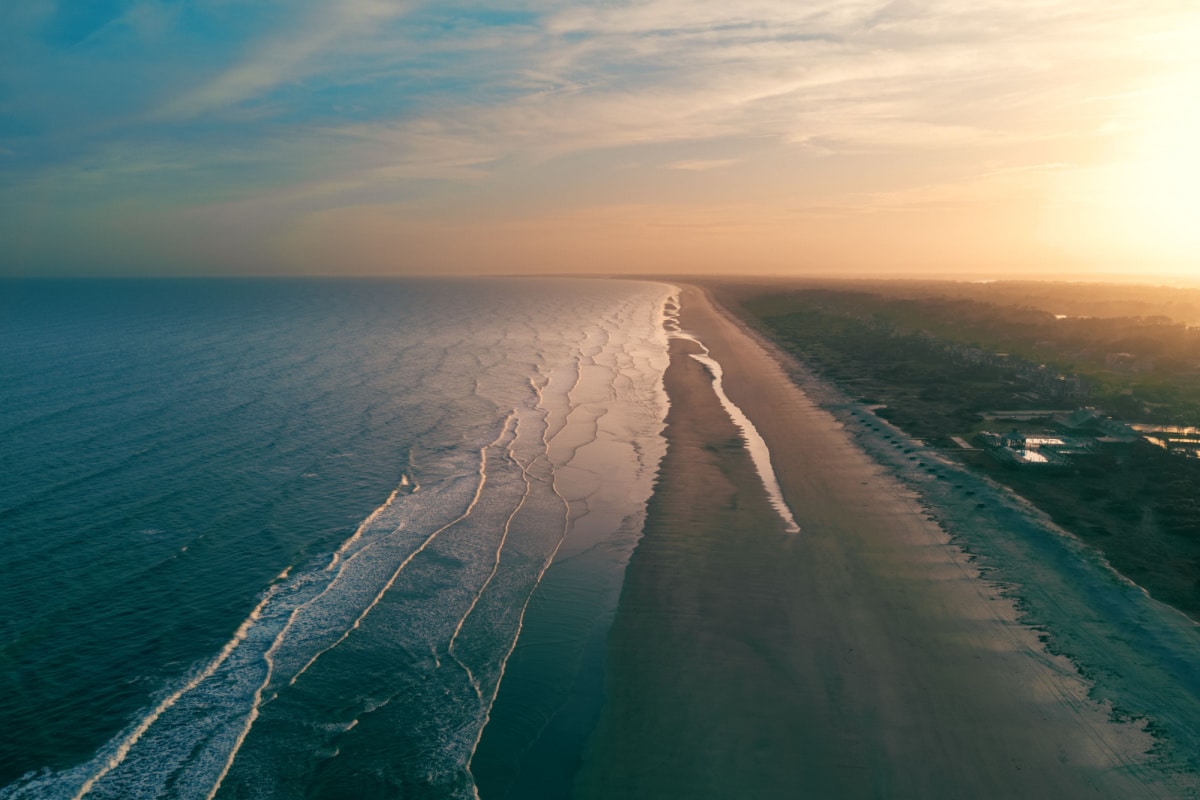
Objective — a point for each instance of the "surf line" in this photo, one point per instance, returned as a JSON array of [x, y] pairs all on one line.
[[512, 456], [127, 743], [759, 453], [547, 439], [268, 657], [428, 540]]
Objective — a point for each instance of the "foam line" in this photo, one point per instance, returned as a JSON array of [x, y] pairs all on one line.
[[496, 566], [239, 635], [269, 655], [428, 540], [256, 704], [513, 644], [366, 523], [140, 729], [547, 441], [760, 454]]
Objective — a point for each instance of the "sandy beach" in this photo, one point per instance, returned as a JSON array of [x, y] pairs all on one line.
[[865, 656]]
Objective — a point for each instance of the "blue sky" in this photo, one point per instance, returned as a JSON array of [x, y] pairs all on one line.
[[373, 137]]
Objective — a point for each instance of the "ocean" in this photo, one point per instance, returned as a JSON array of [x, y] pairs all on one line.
[[316, 538]]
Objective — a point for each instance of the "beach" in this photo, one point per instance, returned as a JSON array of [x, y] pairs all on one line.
[[864, 656]]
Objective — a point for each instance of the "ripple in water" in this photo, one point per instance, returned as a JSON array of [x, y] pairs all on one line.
[[521, 423]]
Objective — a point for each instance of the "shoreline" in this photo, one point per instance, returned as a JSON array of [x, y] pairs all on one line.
[[1139, 655], [1126, 498], [864, 656]]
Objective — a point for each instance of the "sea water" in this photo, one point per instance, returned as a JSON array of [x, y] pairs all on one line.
[[315, 538]]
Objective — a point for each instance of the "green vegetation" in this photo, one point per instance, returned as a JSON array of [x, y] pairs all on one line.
[[1144, 368], [938, 356]]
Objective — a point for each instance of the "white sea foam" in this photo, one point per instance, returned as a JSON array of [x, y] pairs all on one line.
[[616, 399], [112, 760], [268, 657], [408, 560], [366, 523], [167, 739], [495, 566], [579, 450], [760, 454]]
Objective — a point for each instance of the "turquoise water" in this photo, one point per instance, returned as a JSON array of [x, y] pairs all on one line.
[[315, 538]]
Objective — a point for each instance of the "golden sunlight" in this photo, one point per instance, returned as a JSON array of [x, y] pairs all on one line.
[[1159, 187], [1137, 212]]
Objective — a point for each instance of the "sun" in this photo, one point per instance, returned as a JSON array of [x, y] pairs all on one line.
[[1137, 211], [1159, 187]]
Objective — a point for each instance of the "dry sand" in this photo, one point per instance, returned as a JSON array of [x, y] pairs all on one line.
[[863, 657]]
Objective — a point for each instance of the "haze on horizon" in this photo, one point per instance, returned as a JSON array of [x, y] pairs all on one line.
[[970, 138]]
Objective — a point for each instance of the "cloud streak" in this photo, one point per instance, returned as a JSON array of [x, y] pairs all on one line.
[[475, 112], [288, 56]]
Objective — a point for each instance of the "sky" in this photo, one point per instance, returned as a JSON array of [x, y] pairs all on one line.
[[962, 138]]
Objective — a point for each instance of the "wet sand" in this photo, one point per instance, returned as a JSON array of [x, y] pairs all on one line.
[[862, 657]]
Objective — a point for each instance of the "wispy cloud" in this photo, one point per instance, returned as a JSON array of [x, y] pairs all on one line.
[[287, 56], [703, 165], [312, 105]]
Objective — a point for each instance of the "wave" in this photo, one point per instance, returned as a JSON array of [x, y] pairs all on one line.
[[288, 627], [456, 558]]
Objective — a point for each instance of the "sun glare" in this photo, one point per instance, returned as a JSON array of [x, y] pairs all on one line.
[[1160, 187], [1140, 211]]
